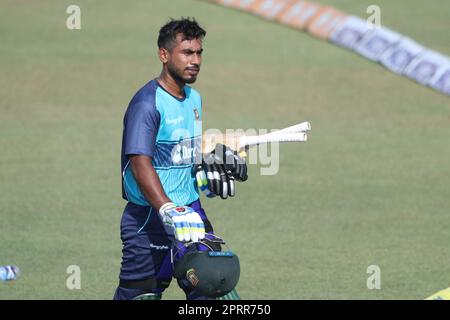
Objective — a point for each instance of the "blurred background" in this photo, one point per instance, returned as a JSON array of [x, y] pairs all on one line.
[[370, 187]]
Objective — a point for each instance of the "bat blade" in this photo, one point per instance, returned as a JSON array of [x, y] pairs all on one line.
[[241, 142], [250, 141], [301, 127]]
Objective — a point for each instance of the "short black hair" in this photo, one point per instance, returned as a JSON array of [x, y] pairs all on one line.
[[186, 26]]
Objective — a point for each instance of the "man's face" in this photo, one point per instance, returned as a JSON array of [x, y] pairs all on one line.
[[184, 59]]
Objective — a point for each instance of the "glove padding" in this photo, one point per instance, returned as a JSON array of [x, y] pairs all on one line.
[[186, 223], [218, 172]]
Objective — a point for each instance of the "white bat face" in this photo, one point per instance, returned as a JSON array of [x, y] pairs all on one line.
[[239, 141]]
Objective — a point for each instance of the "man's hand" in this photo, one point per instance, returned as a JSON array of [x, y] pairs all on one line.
[[186, 223], [234, 163], [219, 170]]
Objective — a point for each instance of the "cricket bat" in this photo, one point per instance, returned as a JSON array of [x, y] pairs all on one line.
[[240, 142]]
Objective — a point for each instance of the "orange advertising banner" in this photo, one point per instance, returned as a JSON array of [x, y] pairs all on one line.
[[294, 13], [271, 9], [238, 4], [298, 14], [325, 21], [320, 21]]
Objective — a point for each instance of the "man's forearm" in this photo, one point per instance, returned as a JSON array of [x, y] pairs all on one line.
[[148, 180]]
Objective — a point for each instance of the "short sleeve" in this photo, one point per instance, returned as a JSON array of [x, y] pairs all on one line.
[[141, 126]]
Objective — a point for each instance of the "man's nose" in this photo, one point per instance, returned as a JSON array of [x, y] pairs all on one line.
[[196, 59]]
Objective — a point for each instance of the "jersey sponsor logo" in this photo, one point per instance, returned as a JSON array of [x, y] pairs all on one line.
[[183, 154], [175, 121], [186, 152], [156, 247]]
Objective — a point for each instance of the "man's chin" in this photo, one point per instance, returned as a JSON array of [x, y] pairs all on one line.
[[190, 79]]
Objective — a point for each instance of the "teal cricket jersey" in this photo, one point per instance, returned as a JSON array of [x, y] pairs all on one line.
[[168, 130]]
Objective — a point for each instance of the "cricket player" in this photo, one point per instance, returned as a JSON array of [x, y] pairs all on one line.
[[161, 159]]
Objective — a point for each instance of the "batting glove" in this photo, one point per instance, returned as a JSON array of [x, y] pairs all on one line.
[[234, 164], [218, 172], [185, 222]]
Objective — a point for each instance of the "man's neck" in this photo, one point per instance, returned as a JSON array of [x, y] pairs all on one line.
[[174, 87]]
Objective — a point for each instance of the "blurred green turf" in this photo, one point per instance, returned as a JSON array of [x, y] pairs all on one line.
[[371, 186]]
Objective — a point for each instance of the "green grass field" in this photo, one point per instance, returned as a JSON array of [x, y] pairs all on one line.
[[371, 186]]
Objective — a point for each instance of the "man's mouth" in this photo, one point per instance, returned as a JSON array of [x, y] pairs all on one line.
[[193, 70]]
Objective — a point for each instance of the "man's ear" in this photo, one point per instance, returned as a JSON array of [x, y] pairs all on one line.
[[163, 55]]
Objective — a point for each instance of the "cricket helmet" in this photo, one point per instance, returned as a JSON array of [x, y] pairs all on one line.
[[211, 273]]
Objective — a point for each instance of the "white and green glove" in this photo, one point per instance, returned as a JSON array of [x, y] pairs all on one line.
[[186, 223]]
